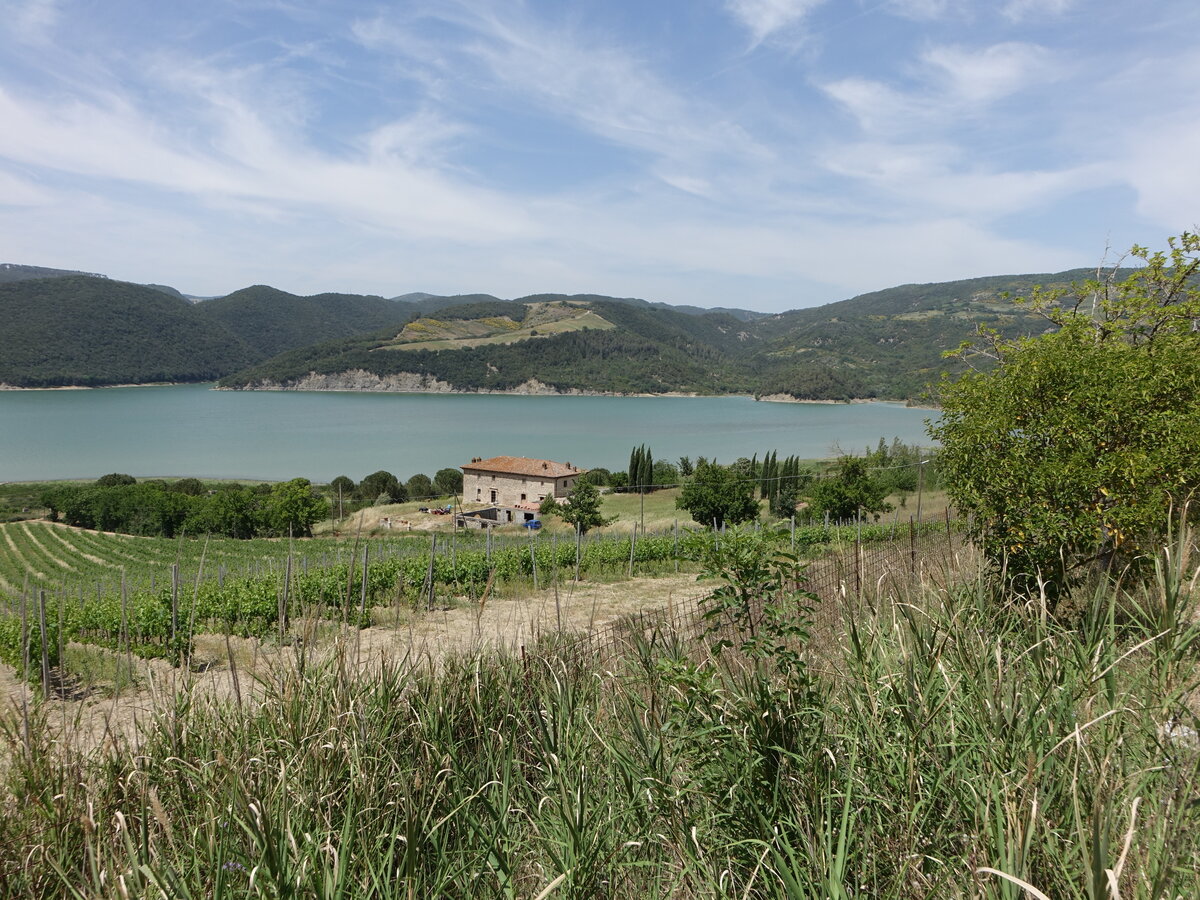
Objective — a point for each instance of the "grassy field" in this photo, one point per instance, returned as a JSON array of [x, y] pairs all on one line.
[[951, 743], [541, 320]]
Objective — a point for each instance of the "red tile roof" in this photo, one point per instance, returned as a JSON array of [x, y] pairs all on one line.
[[523, 465]]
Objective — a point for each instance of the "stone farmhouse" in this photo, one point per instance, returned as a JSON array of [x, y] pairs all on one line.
[[515, 486]]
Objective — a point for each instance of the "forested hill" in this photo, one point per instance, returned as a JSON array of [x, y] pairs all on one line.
[[885, 344], [84, 330], [273, 321], [501, 345], [91, 331], [890, 343], [15, 272], [88, 330]]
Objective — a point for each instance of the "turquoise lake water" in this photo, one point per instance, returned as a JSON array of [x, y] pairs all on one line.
[[193, 430]]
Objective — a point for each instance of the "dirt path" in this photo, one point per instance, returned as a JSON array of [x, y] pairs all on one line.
[[94, 720], [512, 623]]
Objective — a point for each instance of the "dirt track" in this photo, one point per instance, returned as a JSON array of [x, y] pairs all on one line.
[[94, 718]]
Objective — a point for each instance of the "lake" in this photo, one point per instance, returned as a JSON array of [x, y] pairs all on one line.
[[180, 430]]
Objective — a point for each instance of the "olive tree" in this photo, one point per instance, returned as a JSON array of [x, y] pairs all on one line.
[[717, 495], [581, 509], [1073, 447]]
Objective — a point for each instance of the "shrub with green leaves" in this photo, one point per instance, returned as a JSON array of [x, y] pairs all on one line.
[[1074, 446]]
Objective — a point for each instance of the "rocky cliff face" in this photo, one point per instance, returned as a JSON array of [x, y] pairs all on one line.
[[402, 383]]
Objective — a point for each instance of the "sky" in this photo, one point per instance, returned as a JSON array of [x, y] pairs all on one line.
[[764, 154]]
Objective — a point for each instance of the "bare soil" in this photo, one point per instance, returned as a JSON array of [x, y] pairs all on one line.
[[84, 717]]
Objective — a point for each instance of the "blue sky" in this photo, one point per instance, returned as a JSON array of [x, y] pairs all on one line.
[[768, 154]]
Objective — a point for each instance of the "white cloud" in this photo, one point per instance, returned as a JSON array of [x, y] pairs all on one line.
[[927, 10], [952, 82], [580, 78], [981, 76], [763, 18], [17, 191], [924, 179], [1162, 168], [31, 21], [248, 163], [1024, 10]]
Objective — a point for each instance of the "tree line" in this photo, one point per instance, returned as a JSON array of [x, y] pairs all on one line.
[[120, 503]]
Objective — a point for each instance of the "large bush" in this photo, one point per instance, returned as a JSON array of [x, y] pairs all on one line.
[[1072, 447]]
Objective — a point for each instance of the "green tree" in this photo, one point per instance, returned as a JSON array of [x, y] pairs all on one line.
[[641, 469], [716, 496], [193, 487], [582, 509], [448, 481], [664, 473], [232, 511], [381, 484], [419, 487], [343, 485], [294, 507], [850, 491], [115, 479], [598, 476], [1074, 446]]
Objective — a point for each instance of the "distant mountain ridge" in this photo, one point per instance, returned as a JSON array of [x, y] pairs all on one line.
[[17, 272], [69, 328]]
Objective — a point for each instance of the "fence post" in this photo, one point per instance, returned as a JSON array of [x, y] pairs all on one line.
[[578, 550], [533, 560], [174, 602], [429, 575], [283, 600], [858, 566]]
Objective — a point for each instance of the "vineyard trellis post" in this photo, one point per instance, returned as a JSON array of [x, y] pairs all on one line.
[[283, 599], [362, 606], [533, 560], [174, 605], [429, 573], [920, 484], [62, 615], [25, 663], [45, 653], [125, 629]]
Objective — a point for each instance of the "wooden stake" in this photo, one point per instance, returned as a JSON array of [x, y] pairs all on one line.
[[45, 650]]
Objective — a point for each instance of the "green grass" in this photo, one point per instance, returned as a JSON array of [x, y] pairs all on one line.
[[958, 744]]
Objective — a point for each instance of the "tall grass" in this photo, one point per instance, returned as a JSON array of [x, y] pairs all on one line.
[[963, 747]]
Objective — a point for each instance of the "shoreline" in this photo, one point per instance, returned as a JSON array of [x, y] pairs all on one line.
[[101, 387], [432, 386], [360, 381]]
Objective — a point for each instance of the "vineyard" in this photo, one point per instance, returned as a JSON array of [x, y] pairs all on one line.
[[150, 597]]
